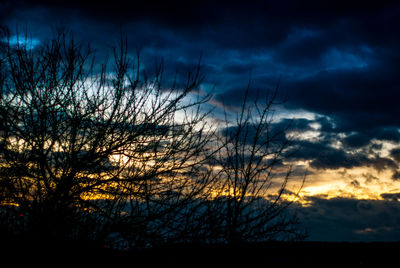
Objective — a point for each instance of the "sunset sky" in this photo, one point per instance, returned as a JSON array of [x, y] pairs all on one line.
[[337, 65]]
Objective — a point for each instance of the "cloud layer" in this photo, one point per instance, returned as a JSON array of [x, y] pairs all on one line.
[[347, 219]]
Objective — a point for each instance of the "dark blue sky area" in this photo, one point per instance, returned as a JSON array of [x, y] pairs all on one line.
[[336, 60]]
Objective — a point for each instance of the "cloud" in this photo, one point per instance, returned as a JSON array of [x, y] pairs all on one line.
[[336, 60], [369, 178], [356, 140], [326, 150], [396, 175], [324, 156], [346, 219], [391, 196], [395, 153]]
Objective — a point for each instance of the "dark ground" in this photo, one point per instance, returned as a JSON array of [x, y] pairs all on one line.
[[322, 254]]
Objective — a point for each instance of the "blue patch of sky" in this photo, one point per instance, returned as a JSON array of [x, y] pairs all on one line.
[[22, 41]]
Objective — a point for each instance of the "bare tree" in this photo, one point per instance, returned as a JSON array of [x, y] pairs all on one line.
[[82, 143], [112, 152], [252, 180]]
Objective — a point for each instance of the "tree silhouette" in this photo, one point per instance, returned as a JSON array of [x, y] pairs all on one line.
[[255, 151], [250, 201], [77, 137], [111, 152]]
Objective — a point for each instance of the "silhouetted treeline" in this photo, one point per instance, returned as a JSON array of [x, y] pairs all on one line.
[[319, 254], [113, 154]]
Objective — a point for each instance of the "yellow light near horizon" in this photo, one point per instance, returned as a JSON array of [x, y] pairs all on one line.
[[350, 183]]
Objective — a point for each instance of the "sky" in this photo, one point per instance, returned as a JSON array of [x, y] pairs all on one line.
[[337, 65]]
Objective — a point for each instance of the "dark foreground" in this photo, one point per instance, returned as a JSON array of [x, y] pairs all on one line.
[[275, 253]]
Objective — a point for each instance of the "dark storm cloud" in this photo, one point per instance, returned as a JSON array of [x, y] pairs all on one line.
[[324, 156], [347, 219], [360, 139], [299, 124], [357, 100], [117, 11], [322, 153], [395, 153], [335, 58], [391, 196], [275, 131], [356, 140]]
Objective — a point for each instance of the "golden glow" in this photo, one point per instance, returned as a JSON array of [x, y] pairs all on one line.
[[359, 183]]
